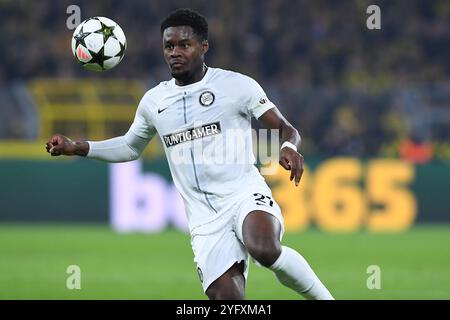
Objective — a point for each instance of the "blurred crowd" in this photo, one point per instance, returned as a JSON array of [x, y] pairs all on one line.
[[336, 80]]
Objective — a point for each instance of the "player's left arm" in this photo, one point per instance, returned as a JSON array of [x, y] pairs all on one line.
[[290, 141]]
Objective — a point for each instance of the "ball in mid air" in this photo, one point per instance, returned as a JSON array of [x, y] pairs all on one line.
[[98, 43]]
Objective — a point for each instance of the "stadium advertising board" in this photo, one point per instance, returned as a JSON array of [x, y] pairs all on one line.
[[336, 194]]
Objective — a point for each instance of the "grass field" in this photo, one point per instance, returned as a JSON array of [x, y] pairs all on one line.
[[34, 259]]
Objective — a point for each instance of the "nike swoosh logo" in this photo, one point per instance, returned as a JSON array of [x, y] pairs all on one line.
[[161, 110]]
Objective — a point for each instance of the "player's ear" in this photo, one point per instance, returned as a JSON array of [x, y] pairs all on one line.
[[205, 46]]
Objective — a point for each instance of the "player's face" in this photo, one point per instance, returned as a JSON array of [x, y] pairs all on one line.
[[183, 51]]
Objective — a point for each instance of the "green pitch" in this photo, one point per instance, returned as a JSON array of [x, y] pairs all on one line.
[[34, 259]]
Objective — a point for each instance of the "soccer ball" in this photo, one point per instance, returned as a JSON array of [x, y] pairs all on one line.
[[98, 44]]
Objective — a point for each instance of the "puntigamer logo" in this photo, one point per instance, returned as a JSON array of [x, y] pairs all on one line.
[[190, 134]]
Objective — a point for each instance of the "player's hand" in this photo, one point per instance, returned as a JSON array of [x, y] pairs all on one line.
[[292, 160], [60, 145]]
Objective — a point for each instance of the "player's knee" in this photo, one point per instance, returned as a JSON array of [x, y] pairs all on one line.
[[266, 252]]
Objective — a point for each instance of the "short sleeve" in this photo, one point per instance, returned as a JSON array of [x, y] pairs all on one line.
[[256, 99], [142, 125]]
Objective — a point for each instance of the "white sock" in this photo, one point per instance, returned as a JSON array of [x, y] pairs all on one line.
[[292, 270]]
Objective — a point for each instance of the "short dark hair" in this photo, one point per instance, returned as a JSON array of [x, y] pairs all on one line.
[[187, 17]]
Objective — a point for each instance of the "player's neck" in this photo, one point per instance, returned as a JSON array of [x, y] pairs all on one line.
[[196, 76]]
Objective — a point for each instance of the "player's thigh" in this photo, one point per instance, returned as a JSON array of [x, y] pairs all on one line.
[[261, 227], [230, 285], [260, 214], [261, 235]]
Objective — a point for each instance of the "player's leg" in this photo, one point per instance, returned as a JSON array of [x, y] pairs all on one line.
[[230, 285], [221, 258], [261, 236], [261, 233]]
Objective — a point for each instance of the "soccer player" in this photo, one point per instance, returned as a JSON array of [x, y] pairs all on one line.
[[230, 209]]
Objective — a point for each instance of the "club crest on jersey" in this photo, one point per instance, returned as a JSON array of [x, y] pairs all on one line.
[[206, 98]]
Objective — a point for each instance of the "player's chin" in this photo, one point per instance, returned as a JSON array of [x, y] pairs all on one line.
[[179, 73]]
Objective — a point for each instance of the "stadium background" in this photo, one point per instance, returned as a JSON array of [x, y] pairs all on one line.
[[373, 107]]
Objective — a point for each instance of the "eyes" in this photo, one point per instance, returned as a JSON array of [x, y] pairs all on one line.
[[170, 46]]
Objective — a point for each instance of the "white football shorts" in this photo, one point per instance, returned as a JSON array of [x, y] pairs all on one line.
[[218, 244]]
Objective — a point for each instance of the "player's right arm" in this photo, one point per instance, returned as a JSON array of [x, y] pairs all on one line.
[[119, 149]]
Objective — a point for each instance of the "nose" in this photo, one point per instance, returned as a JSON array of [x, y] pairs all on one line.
[[175, 52]]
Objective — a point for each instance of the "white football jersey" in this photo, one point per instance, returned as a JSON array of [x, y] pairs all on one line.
[[205, 128]]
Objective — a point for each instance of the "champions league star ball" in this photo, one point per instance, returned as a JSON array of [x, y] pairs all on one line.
[[98, 44]]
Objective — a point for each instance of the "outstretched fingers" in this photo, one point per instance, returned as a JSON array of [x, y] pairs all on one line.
[[299, 170], [293, 162]]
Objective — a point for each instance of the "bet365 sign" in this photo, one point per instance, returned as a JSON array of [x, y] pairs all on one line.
[[339, 195], [347, 194]]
